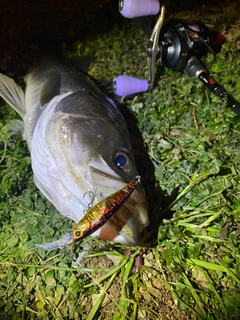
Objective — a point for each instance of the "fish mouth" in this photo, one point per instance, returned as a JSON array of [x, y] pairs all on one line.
[[129, 221], [131, 218]]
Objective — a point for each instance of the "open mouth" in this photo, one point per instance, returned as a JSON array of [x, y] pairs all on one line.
[[129, 221], [131, 218]]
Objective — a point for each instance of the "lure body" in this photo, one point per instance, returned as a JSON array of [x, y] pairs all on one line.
[[100, 213]]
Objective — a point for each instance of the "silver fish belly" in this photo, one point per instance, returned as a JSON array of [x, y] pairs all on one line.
[[79, 146]]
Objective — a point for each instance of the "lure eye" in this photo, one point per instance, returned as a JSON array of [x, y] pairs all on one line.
[[77, 234], [122, 160]]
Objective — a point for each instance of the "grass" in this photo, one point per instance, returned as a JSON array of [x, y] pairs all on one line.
[[191, 262]]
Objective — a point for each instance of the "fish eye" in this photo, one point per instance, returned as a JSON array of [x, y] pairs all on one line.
[[122, 160]]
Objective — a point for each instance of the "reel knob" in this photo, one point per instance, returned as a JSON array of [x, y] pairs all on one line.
[[125, 86], [138, 8]]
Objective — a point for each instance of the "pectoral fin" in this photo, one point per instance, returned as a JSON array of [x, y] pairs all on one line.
[[50, 89]]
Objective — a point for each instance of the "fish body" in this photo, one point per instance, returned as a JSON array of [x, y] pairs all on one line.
[[79, 145]]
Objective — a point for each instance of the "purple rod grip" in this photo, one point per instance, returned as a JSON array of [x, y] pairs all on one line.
[[125, 85], [138, 8]]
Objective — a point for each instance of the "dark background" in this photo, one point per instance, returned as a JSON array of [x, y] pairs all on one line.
[[26, 23]]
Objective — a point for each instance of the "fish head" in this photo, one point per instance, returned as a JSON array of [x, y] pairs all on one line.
[[80, 146], [86, 142]]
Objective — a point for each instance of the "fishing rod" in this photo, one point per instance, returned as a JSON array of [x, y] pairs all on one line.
[[178, 45]]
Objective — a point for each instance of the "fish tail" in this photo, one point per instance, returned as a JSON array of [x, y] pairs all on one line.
[[13, 94]]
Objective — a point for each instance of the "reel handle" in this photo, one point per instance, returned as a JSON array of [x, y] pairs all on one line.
[[125, 85]]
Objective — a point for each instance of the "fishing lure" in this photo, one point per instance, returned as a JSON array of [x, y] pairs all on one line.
[[95, 217], [99, 214]]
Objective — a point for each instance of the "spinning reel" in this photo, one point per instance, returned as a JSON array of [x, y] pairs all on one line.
[[178, 45]]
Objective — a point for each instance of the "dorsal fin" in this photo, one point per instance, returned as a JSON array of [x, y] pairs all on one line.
[[80, 63]]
